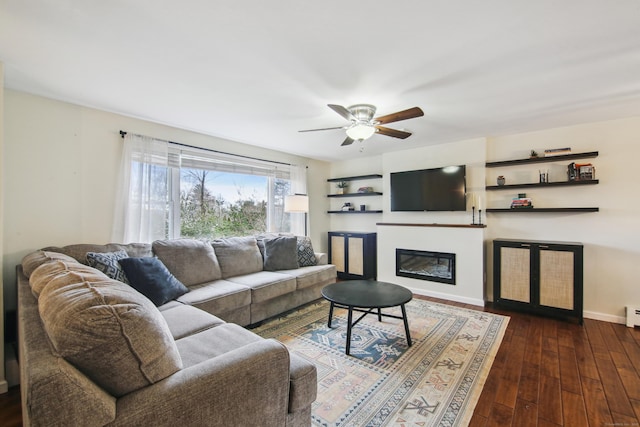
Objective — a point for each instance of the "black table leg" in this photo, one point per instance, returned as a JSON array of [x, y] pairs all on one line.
[[330, 315], [349, 319], [406, 325], [379, 315]]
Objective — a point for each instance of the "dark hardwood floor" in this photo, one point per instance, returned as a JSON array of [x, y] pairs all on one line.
[[554, 373], [546, 373], [10, 409]]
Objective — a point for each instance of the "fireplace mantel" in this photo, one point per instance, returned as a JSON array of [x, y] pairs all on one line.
[[404, 224]]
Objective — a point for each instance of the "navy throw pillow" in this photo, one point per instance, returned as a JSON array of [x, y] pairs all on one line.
[[150, 277]]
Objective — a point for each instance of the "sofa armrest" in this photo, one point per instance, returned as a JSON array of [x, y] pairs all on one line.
[[243, 387], [322, 258]]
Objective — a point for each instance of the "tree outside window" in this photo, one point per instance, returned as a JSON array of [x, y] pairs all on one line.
[[220, 204]]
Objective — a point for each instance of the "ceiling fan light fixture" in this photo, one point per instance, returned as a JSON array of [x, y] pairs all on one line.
[[361, 131]]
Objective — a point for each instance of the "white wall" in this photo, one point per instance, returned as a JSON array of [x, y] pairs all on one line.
[[610, 237], [3, 382], [60, 171], [465, 242]]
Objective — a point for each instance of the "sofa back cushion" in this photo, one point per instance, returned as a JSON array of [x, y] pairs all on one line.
[[238, 255], [192, 262], [79, 251], [62, 272], [35, 259], [110, 332]]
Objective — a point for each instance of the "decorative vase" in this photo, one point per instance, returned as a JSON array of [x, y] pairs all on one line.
[[501, 180]]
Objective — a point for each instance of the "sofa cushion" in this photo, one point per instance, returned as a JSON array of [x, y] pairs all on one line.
[[213, 342], [238, 255], [110, 332], [191, 261], [62, 272], [310, 276], [217, 297], [265, 285], [280, 253], [35, 259], [150, 277], [133, 249], [79, 251], [306, 255], [184, 320], [107, 262]]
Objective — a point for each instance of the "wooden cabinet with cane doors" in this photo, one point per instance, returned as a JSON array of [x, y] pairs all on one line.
[[538, 277], [354, 254]]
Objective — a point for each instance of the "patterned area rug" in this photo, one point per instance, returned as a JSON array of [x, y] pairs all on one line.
[[435, 382]]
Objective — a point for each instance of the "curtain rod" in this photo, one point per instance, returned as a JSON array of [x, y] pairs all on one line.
[[123, 133]]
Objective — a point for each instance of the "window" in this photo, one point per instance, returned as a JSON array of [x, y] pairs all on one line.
[[172, 191], [219, 204]]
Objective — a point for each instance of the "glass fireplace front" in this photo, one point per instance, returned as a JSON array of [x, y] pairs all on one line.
[[425, 265]]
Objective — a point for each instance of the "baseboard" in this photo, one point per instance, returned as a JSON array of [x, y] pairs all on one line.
[[11, 366], [449, 297], [473, 301], [604, 317]]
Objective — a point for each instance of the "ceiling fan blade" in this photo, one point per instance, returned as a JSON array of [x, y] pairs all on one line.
[[392, 132], [342, 111], [400, 115], [314, 130], [347, 141]]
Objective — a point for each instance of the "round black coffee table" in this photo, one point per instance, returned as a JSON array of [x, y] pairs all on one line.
[[365, 296]]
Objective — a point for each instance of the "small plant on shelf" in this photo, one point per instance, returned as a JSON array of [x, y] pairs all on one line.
[[342, 187]]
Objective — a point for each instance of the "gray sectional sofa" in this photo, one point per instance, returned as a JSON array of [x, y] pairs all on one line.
[[97, 351]]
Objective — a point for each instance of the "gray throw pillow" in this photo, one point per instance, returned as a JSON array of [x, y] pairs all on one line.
[[107, 262], [281, 253], [306, 254]]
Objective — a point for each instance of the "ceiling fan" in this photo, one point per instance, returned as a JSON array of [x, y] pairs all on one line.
[[362, 125]]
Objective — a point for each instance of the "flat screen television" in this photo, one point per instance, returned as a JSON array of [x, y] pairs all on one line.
[[439, 189]]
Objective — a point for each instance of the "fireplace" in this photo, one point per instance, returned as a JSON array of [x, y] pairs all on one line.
[[424, 265]]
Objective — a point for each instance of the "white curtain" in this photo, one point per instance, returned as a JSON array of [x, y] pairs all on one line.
[[298, 186], [142, 204]]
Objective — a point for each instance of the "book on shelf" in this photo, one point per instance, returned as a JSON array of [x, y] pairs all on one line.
[[586, 171], [521, 203], [557, 151]]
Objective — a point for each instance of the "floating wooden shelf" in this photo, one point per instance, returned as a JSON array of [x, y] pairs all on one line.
[[562, 157], [540, 210], [354, 178], [403, 224], [371, 193], [354, 212], [543, 184]]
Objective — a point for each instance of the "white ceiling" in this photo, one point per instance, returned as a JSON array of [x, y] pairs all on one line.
[[258, 71]]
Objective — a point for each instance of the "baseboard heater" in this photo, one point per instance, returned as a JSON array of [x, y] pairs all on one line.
[[633, 316]]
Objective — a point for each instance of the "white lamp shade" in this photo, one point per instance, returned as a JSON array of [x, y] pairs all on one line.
[[296, 203], [360, 131]]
